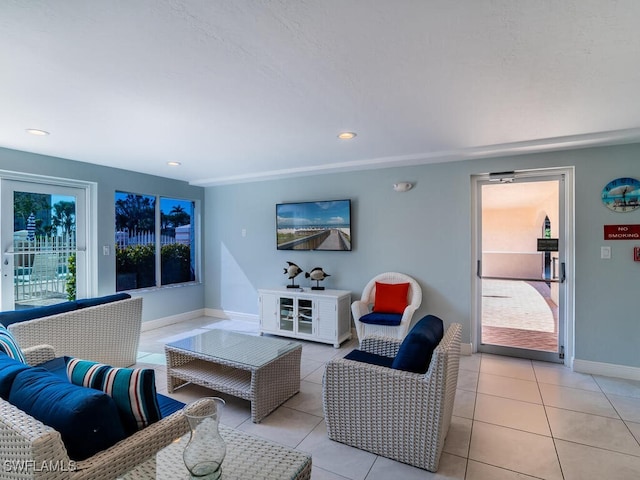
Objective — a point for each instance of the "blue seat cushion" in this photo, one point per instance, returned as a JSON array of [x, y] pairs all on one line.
[[92, 302], [15, 316], [371, 358], [379, 318], [57, 366], [168, 405], [416, 350], [9, 368], [87, 419]]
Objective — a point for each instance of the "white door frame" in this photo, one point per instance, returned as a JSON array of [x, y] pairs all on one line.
[[568, 304], [89, 277]]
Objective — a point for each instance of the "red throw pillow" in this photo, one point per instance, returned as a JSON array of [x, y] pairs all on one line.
[[391, 297]]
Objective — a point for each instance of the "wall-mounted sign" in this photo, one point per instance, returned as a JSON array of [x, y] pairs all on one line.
[[622, 232], [547, 244]]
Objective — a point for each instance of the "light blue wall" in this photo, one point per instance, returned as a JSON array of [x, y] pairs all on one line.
[[426, 233], [157, 303]]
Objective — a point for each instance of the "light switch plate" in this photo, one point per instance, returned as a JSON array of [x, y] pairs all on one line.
[[605, 253]]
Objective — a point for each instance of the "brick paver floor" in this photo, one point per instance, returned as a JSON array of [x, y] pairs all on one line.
[[519, 314]]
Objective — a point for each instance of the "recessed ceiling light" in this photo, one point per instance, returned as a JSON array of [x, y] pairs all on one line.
[[174, 164], [346, 135], [35, 131]]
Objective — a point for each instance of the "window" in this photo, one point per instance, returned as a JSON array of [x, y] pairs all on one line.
[[177, 255], [145, 225]]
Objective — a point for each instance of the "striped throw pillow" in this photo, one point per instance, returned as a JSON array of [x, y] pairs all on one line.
[[9, 345], [132, 389]]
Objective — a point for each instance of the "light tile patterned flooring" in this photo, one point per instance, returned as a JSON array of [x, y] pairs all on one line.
[[513, 418]]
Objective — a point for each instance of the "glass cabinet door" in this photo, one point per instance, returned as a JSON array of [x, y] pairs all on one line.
[[286, 314], [305, 316]]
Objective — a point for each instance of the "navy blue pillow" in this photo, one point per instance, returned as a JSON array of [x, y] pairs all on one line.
[[15, 316], [367, 357], [86, 419], [414, 354], [377, 318], [9, 368], [92, 302], [58, 366]]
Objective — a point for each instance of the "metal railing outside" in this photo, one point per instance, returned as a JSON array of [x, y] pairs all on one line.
[[41, 268]]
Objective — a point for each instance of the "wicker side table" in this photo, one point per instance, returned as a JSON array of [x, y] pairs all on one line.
[[247, 457]]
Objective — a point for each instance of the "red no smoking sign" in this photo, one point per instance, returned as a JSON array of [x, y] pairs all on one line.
[[622, 232]]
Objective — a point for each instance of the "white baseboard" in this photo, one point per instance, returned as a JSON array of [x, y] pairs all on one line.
[[164, 321], [466, 348], [205, 312], [229, 315], [606, 369]]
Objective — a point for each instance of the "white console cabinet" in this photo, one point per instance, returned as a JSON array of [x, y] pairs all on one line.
[[316, 315]]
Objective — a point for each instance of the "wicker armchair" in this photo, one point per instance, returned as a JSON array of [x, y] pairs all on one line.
[[396, 414], [30, 449], [361, 307]]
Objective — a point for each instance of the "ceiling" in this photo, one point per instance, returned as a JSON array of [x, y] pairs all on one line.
[[247, 90]]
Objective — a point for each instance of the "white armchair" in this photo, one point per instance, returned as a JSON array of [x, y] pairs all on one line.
[[362, 307]]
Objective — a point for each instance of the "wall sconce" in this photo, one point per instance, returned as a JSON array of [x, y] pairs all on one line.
[[402, 186]]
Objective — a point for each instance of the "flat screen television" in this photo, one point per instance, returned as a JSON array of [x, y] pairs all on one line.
[[322, 225]]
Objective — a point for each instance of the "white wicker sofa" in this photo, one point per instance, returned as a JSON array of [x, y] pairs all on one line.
[[107, 333], [31, 450], [397, 414]]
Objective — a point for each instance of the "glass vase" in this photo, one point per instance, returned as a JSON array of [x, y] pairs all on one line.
[[206, 449]]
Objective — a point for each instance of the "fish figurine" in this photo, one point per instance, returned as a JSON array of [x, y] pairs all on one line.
[[292, 270], [317, 274]]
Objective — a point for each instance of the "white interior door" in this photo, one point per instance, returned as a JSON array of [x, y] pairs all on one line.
[[43, 236]]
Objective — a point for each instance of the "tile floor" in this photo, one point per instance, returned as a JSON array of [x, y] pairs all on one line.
[[513, 418]]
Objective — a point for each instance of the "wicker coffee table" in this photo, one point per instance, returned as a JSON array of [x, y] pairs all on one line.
[[263, 370], [247, 457]]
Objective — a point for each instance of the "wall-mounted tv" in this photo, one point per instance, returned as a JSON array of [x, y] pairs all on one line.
[[322, 225]]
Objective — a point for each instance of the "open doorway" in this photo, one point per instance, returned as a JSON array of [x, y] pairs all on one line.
[[521, 281]]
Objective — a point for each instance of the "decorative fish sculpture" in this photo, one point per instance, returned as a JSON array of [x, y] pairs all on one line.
[[317, 274], [292, 270]]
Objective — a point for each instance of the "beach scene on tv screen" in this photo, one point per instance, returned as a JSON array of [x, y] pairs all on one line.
[[314, 225]]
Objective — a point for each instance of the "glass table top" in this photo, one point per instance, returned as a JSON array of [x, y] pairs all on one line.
[[240, 348]]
